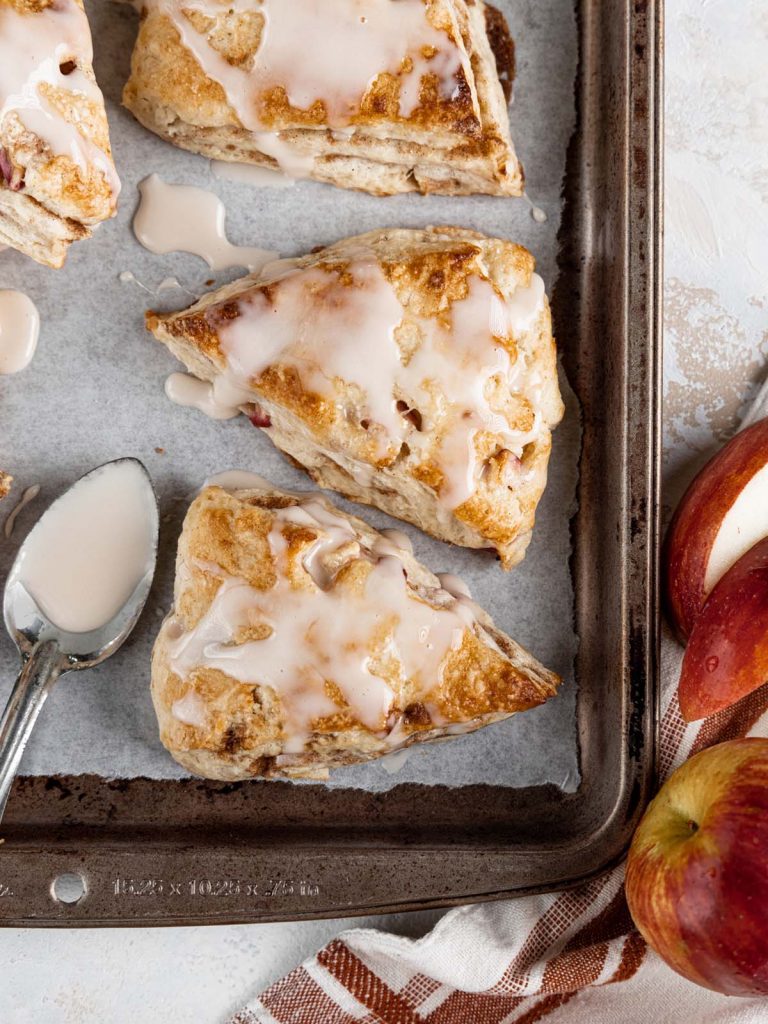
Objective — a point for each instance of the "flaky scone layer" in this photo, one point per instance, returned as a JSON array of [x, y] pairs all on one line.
[[413, 370], [385, 96], [302, 640], [57, 178]]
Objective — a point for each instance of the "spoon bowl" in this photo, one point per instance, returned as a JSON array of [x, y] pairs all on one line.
[[47, 650], [28, 625]]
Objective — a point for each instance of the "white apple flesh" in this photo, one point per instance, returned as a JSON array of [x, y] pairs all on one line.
[[743, 525], [722, 515]]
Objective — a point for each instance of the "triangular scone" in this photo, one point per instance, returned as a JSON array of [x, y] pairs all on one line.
[[301, 640], [380, 95], [413, 370], [57, 178]]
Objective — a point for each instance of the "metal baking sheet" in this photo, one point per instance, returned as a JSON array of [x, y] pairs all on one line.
[[176, 850]]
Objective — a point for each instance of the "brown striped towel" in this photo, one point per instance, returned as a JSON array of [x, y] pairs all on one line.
[[570, 956]]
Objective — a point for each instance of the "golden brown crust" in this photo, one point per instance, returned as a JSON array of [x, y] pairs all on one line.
[[47, 198], [239, 727], [428, 270], [457, 144]]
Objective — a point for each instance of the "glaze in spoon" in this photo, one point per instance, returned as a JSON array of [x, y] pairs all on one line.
[[76, 590]]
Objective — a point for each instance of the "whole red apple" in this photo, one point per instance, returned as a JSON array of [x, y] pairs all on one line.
[[697, 872]]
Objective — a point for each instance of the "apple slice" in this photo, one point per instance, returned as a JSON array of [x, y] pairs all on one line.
[[697, 870], [727, 653], [722, 514]]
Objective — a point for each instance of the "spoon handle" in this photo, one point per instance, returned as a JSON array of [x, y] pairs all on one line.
[[38, 673]]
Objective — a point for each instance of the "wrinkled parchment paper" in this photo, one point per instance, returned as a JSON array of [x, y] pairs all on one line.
[[94, 392]]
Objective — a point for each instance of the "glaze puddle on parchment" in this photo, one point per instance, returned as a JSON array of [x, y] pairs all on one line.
[[19, 330], [183, 218], [220, 400]]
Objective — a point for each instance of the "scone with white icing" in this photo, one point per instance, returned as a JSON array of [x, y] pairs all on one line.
[[381, 95], [302, 640], [57, 178], [413, 370]]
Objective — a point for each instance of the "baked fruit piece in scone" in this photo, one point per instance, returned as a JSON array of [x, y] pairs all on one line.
[[57, 178], [413, 370], [301, 640], [5, 484], [381, 95]]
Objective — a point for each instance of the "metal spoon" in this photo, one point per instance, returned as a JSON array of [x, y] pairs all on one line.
[[47, 651]]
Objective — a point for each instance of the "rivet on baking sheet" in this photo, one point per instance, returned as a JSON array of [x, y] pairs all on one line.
[[68, 888]]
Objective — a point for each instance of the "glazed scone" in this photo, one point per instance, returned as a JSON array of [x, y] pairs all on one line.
[[57, 178], [381, 95], [413, 370], [301, 640]]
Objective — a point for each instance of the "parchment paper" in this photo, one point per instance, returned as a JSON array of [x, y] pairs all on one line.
[[95, 392]]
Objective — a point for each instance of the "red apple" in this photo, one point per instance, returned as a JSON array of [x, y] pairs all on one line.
[[722, 514], [697, 872], [727, 653]]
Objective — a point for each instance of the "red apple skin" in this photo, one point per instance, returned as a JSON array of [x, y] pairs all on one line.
[[727, 653], [697, 871], [698, 518]]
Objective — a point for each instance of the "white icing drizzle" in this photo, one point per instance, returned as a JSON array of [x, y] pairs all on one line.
[[276, 269], [220, 400], [183, 218], [170, 284], [19, 330], [238, 480], [331, 52], [454, 584], [190, 709], [399, 539], [167, 284], [393, 762], [321, 630], [329, 330], [537, 213], [10, 520], [251, 174], [128, 277], [33, 50], [290, 160]]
